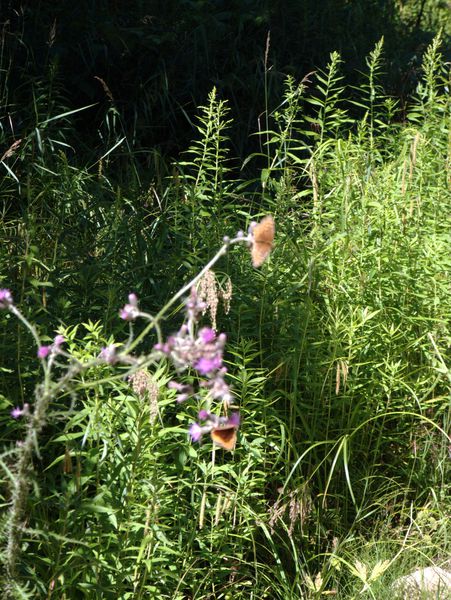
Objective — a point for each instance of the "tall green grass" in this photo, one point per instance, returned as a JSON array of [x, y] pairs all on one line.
[[339, 353]]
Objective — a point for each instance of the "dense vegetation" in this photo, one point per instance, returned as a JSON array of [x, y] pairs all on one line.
[[338, 347]]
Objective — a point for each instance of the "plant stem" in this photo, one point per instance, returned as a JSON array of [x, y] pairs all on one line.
[[184, 290]]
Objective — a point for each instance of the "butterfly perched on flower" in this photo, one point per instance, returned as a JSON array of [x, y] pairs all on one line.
[[224, 433], [224, 436], [222, 430]]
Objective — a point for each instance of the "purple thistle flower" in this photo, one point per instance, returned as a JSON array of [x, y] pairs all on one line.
[[6, 298], [58, 341], [195, 432], [234, 420], [166, 347], [222, 338], [133, 300], [130, 311], [185, 390], [19, 412], [43, 351], [108, 354], [207, 335], [206, 366], [218, 388], [203, 415], [175, 385]]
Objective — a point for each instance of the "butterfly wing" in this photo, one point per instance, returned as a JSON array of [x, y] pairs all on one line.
[[224, 437], [263, 237]]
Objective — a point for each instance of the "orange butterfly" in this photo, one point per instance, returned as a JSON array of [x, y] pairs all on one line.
[[263, 237], [224, 436]]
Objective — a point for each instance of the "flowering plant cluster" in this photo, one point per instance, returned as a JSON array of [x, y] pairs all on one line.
[[192, 350], [203, 353]]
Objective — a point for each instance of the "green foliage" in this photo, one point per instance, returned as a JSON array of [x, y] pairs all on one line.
[[339, 351], [208, 155]]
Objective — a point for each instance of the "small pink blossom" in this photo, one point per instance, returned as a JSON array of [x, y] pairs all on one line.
[[130, 311], [207, 366], [185, 390], [133, 300], [6, 298], [207, 335], [43, 351], [108, 354], [195, 432], [20, 412], [218, 388], [234, 419], [58, 341]]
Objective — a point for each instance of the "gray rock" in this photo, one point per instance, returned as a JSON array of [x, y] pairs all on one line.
[[431, 582]]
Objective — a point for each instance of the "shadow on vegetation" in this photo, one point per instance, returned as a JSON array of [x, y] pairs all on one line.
[[156, 61]]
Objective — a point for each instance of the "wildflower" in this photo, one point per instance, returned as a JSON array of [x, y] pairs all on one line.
[[108, 354], [58, 341], [130, 311], [179, 348], [203, 353], [163, 348], [44, 351], [133, 299], [144, 385], [207, 335], [16, 412], [19, 412], [195, 432], [234, 420], [185, 390], [209, 352], [218, 388], [207, 366], [208, 294], [194, 305], [6, 298]]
